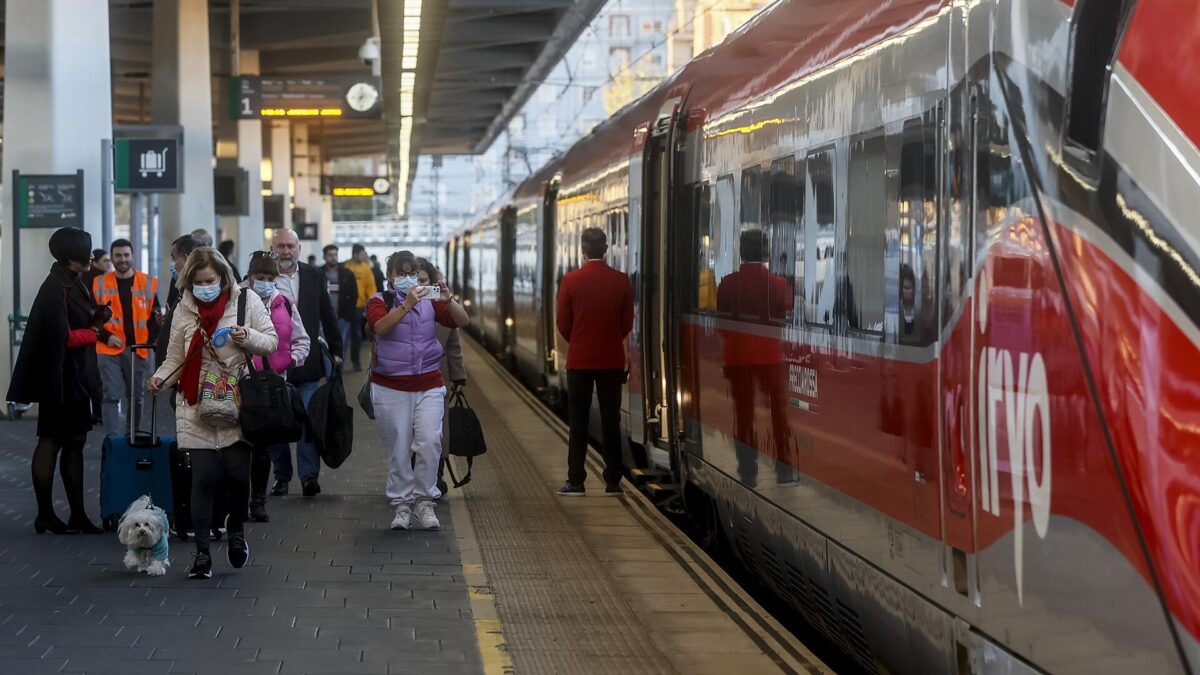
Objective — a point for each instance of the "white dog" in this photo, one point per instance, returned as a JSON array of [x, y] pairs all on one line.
[[144, 529]]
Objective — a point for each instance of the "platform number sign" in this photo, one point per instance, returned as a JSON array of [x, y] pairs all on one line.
[[146, 164]]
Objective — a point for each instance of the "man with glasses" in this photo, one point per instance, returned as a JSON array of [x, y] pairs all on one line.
[[304, 286]]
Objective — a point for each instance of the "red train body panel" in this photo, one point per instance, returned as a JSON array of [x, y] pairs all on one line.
[[968, 438]]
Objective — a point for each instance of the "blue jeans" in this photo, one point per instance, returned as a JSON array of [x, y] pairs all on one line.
[[344, 329], [306, 451]]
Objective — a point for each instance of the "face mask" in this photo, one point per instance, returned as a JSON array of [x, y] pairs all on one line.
[[264, 288], [171, 268], [403, 284], [206, 293]]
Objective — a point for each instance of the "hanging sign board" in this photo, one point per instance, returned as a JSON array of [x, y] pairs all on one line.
[[348, 96], [355, 186], [48, 200], [146, 164]]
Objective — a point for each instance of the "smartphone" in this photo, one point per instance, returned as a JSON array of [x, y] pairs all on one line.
[[427, 292]]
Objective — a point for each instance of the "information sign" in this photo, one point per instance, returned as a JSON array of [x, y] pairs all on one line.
[[146, 164], [49, 200], [355, 186], [253, 97]]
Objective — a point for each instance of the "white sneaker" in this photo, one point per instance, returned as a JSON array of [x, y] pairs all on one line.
[[403, 517], [428, 518]]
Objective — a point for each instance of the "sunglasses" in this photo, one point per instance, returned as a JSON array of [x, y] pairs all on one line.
[[268, 254]]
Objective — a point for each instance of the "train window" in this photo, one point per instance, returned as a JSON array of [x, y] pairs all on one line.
[[705, 298], [820, 234], [783, 226], [724, 226], [867, 213], [751, 202]]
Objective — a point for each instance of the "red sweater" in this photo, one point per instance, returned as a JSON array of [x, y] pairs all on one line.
[[595, 314]]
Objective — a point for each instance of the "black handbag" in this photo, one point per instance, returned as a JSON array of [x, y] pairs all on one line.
[[332, 419], [466, 436], [272, 411]]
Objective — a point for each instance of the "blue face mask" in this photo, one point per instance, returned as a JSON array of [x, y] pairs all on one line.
[[171, 268], [264, 289], [404, 284], [206, 293]]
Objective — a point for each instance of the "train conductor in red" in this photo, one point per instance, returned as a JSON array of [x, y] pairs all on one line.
[[595, 315]]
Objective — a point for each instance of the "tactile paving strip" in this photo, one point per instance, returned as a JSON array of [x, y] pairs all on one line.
[[559, 609]]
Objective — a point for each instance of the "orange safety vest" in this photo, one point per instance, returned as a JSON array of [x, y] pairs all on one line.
[[145, 287]]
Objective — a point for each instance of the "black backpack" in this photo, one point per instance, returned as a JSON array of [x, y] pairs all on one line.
[[272, 411], [466, 436]]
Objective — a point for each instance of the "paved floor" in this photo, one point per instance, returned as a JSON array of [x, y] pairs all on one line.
[[329, 589], [518, 580]]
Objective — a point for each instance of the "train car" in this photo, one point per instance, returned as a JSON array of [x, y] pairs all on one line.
[[917, 299], [487, 279]]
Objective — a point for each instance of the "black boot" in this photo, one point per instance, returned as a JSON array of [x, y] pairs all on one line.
[[258, 510]]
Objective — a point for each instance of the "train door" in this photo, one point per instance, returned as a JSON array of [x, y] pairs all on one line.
[[958, 464], [657, 333], [549, 284], [506, 278]]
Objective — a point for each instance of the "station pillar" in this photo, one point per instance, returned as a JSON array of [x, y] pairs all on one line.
[[250, 154], [303, 179], [57, 110], [182, 95], [281, 161]]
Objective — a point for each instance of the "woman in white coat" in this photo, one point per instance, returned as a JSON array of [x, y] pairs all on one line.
[[199, 349]]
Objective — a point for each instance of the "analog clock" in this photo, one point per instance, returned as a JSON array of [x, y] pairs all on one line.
[[381, 186], [362, 96]]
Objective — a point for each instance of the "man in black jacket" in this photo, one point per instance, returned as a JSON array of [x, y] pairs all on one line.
[[343, 291], [304, 285]]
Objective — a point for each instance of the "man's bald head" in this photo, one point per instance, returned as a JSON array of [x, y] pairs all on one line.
[[286, 246]]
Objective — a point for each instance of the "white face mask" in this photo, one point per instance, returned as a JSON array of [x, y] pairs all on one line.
[[171, 267], [206, 293], [404, 284], [265, 289]]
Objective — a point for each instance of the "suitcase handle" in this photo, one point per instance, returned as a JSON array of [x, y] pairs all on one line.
[[134, 388]]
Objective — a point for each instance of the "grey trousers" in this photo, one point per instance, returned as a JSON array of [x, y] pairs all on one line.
[[114, 376]]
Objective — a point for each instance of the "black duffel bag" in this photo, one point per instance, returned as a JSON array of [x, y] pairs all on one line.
[[272, 411], [331, 418], [466, 436]]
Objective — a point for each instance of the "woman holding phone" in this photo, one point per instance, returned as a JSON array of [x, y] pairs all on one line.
[[407, 389]]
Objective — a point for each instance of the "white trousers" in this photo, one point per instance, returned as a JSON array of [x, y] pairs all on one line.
[[410, 422]]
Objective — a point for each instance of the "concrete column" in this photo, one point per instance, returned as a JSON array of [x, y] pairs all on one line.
[[300, 173], [57, 108], [250, 153], [182, 94], [281, 157], [326, 222]]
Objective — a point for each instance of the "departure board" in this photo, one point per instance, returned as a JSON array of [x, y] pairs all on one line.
[[327, 96]]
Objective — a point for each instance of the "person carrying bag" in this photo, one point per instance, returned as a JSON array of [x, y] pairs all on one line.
[[206, 353]]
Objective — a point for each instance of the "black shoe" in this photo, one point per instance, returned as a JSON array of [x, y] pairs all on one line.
[[82, 525], [570, 489], [613, 490], [201, 566], [53, 525], [311, 488], [279, 489], [258, 510], [238, 551]]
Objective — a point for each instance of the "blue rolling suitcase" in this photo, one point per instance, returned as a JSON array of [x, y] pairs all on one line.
[[137, 464]]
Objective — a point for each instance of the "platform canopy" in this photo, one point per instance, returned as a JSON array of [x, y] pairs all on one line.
[[478, 61]]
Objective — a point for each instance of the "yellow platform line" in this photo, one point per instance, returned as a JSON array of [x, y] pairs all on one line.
[[489, 634]]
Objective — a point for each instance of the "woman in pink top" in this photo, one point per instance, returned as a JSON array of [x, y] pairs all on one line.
[[294, 345]]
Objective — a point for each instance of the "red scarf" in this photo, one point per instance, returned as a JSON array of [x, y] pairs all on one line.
[[210, 314]]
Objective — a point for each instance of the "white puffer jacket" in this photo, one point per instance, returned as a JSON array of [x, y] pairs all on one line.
[[260, 340]]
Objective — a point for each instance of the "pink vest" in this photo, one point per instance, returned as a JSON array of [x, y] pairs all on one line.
[[281, 359]]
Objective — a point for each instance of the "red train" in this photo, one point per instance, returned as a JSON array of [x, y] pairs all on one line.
[[918, 318]]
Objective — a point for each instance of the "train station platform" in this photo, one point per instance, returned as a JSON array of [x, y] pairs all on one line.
[[517, 580]]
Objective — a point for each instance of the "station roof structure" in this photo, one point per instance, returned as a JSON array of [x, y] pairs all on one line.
[[479, 62]]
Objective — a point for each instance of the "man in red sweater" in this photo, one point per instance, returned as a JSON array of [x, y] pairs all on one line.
[[595, 315]]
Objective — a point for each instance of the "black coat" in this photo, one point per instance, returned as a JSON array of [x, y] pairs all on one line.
[[317, 315], [47, 371], [347, 293]]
